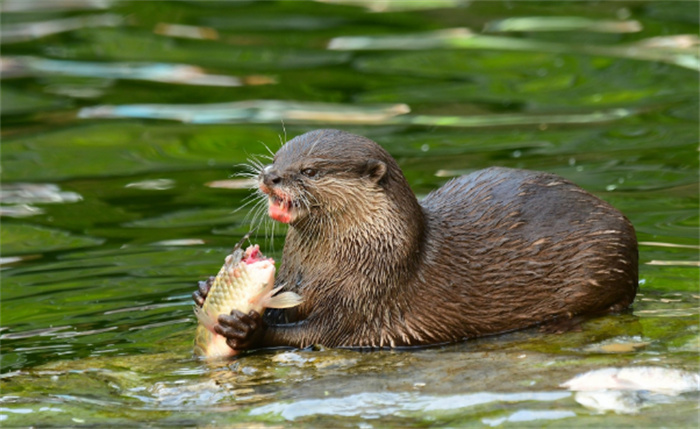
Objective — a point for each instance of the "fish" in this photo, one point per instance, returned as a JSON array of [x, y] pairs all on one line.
[[245, 282]]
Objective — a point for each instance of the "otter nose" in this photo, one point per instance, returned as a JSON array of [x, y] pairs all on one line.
[[270, 176]]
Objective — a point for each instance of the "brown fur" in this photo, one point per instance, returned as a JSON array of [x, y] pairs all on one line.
[[494, 251]]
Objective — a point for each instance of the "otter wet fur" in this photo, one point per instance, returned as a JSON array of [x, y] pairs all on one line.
[[490, 252]]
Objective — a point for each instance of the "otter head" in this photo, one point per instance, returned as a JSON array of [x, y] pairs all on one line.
[[327, 174]]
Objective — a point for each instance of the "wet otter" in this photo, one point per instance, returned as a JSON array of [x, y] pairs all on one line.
[[494, 251]]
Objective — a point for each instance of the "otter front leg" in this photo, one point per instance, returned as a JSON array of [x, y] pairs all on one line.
[[249, 331], [203, 287]]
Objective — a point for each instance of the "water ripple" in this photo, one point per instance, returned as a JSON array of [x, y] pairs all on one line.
[[375, 405]]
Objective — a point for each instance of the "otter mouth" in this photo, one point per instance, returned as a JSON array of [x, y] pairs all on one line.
[[281, 208]]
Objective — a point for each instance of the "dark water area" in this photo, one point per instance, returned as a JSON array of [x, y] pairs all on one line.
[[124, 127]]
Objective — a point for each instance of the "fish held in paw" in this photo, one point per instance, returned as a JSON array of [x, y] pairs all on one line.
[[245, 284]]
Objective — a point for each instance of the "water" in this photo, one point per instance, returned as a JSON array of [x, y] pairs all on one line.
[[121, 119]]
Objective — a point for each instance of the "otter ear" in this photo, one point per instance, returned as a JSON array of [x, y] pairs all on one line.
[[375, 169]]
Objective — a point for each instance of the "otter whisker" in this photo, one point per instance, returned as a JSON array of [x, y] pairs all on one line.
[[249, 172], [258, 212], [267, 148], [246, 175], [267, 157], [250, 164], [250, 199], [254, 164], [285, 134]]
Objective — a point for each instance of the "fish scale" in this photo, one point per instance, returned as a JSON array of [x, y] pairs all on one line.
[[227, 288]]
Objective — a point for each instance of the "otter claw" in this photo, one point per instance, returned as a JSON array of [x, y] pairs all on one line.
[[203, 287], [242, 331]]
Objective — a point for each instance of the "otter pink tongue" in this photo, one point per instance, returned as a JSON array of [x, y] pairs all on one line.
[[279, 210]]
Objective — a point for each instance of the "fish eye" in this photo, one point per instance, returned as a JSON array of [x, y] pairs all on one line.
[[309, 172]]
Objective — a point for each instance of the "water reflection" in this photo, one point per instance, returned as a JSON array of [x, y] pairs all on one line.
[[36, 193], [186, 31], [562, 23], [258, 111], [376, 405], [521, 416], [24, 6], [15, 33], [183, 74], [270, 111], [399, 5], [152, 185], [678, 50], [628, 390]]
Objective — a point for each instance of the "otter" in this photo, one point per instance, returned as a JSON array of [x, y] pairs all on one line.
[[494, 251]]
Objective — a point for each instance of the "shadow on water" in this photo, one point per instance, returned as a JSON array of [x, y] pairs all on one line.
[[125, 125]]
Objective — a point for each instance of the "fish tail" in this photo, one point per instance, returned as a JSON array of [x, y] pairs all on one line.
[[205, 319], [284, 300], [267, 299]]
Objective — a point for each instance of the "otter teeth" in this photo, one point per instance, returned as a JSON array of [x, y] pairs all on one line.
[[283, 203]]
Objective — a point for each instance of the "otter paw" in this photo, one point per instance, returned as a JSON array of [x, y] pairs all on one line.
[[202, 291], [242, 331]]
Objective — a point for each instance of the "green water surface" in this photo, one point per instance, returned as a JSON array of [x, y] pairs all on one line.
[[120, 119]]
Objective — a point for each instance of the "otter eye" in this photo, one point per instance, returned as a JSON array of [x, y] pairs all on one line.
[[309, 172]]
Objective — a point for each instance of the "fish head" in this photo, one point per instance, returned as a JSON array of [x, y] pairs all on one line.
[[260, 268]]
